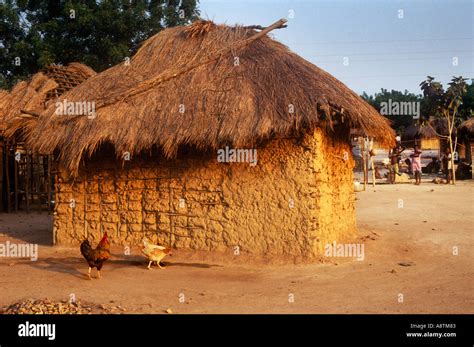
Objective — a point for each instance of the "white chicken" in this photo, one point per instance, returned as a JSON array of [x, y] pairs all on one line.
[[154, 253]]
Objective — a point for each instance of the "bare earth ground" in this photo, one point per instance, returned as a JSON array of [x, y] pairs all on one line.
[[433, 220]]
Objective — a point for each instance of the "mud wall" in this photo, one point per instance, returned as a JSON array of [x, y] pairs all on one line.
[[296, 199]]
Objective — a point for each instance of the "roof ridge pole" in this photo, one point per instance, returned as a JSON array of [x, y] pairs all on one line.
[[170, 74]]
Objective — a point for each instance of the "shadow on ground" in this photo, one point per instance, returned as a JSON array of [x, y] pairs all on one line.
[[30, 227], [77, 266]]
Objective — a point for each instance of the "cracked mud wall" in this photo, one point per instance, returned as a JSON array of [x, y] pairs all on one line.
[[296, 199]]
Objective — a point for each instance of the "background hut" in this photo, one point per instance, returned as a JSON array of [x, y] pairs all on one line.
[[466, 141], [147, 163], [26, 177], [422, 135], [440, 125]]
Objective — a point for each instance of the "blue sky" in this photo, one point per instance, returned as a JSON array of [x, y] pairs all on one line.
[[382, 49]]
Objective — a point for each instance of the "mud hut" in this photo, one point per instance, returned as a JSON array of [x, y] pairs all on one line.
[[211, 138], [26, 178]]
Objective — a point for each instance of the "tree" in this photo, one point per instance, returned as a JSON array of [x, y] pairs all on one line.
[[399, 121], [445, 104], [100, 34], [466, 109]]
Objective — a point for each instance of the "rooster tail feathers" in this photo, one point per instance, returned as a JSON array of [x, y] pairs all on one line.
[[86, 249]]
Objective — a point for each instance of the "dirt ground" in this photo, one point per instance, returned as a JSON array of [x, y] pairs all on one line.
[[420, 231]]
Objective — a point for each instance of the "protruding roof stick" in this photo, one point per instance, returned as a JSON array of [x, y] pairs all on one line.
[[175, 72], [259, 27]]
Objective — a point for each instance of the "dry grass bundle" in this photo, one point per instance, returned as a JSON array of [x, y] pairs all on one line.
[[4, 99], [29, 98], [245, 92], [26, 95], [199, 28], [78, 71]]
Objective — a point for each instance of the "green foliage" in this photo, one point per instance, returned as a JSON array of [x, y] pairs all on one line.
[[446, 103], [399, 122], [97, 33], [432, 95], [434, 99], [466, 109]]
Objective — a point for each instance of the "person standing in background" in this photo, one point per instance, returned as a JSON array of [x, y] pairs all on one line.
[[447, 165], [416, 164], [394, 156]]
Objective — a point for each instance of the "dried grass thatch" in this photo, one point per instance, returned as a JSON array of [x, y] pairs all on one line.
[[232, 88], [466, 128], [418, 132], [28, 99], [435, 128], [4, 100], [440, 125]]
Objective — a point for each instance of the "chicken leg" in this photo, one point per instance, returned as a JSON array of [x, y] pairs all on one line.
[[149, 265], [89, 273]]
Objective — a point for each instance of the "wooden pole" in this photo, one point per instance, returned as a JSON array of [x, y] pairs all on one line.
[[453, 170], [15, 166], [364, 157], [84, 212], [452, 157], [48, 182], [371, 146], [36, 173], [170, 207], [7, 165], [27, 179], [450, 141]]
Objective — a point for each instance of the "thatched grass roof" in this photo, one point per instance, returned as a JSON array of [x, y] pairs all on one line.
[[466, 128], [435, 128], [29, 98], [441, 126], [245, 92], [419, 132]]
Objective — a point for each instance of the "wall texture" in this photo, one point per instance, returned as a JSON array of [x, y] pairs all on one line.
[[295, 200]]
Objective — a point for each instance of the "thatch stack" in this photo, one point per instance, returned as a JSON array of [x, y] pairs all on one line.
[[233, 92], [29, 98], [4, 99], [26, 96]]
